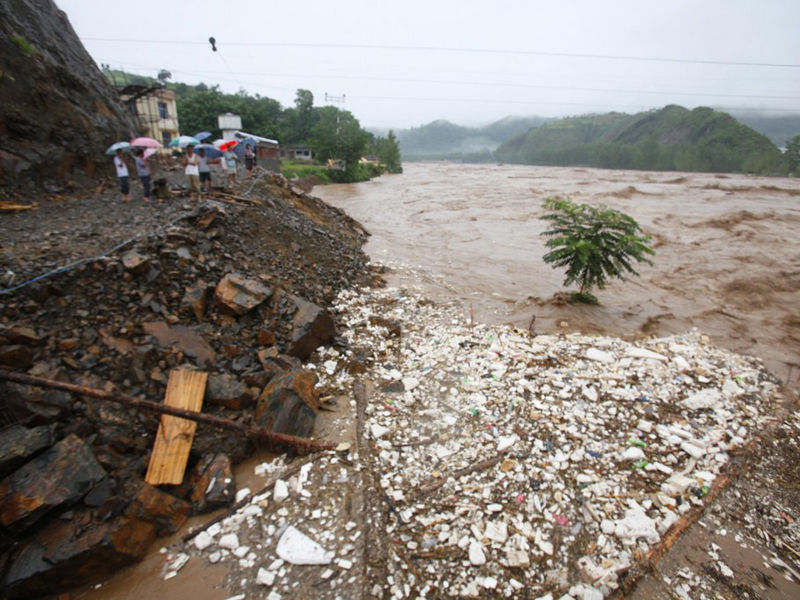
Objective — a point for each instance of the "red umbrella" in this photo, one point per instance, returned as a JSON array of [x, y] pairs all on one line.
[[145, 142], [228, 145]]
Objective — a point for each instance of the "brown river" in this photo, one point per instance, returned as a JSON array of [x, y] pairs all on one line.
[[727, 252]]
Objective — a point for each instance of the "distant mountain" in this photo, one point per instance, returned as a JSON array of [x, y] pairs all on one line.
[[442, 139], [778, 128], [671, 138]]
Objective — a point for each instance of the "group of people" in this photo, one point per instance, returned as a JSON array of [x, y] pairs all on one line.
[[142, 170], [197, 167]]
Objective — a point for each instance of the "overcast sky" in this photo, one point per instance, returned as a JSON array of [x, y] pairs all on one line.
[[406, 63]]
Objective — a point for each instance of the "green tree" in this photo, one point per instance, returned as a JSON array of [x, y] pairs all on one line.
[[595, 243], [388, 153], [338, 135], [792, 154]]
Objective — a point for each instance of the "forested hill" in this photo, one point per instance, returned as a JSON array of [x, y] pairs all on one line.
[[442, 139], [671, 138]]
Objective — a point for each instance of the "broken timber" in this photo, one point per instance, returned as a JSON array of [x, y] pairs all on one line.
[[185, 389], [263, 435]]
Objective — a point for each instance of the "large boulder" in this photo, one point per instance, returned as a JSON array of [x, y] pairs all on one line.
[[18, 444], [239, 294], [186, 339], [312, 327], [75, 552], [166, 512], [228, 391], [289, 404], [59, 476]]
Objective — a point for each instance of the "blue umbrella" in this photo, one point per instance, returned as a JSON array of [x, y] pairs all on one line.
[[211, 152], [183, 141], [118, 146], [202, 135], [242, 143]]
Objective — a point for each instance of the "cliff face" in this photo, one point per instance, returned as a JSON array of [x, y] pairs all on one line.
[[58, 113]]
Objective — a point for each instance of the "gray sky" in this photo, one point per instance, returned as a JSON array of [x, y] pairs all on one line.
[[406, 63]]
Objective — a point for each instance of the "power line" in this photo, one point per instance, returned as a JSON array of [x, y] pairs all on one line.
[[464, 49], [488, 84]]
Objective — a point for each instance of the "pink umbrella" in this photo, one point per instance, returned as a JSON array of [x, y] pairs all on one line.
[[146, 142]]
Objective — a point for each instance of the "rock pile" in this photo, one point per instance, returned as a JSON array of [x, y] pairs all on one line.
[[239, 290]]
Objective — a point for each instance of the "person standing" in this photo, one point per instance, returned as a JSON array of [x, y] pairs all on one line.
[[205, 171], [249, 160], [229, 160], [143, 171], [191, 161], [122, 173]]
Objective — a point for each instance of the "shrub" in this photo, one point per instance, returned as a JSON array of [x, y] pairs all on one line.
[[594, 243]]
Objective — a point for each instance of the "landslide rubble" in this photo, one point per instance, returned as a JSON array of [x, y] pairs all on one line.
[[240, 288]]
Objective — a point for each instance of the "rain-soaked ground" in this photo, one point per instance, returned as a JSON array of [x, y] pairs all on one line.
[[727, 262]]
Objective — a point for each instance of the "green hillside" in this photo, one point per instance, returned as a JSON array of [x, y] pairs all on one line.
[[442, 139], [671, 138]]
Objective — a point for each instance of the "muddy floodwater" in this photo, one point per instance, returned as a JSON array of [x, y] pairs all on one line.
[[727, 253]]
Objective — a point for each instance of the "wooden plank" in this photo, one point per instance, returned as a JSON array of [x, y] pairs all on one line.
[[185, 390]]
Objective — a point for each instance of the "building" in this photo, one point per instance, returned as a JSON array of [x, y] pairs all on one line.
[[155, 110], [267, 151], [297, 153]]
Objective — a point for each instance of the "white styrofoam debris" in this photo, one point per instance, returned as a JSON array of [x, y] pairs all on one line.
[[203, 540], [229, 541], [297, 548], [476, 555], [280, 491]]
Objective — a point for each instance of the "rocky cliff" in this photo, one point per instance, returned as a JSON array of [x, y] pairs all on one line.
[[57, 112]]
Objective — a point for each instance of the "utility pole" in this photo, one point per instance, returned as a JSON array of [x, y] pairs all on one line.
[[340, 100]]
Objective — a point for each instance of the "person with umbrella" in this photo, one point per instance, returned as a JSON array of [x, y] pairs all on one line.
[[122, 173], [205, 171], [190, 162], [143, 171]]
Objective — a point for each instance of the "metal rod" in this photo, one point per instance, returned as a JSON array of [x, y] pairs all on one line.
[[219, 422]]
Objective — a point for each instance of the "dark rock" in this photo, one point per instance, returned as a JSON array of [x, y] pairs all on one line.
[[195, 299], [275, 363], [60, 476], [240, 294], [185, 338], [18, 444], [312, 327], [37, 405], [213, 483], [135, 262], [22, 335], [289, 404], [100, 493], [76, 552], [227, 390], [16, 356], [166, 512]]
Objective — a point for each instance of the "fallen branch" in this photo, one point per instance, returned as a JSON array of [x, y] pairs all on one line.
[[269, 437]]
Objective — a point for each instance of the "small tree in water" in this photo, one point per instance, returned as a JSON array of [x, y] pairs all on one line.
[[595, 243]]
